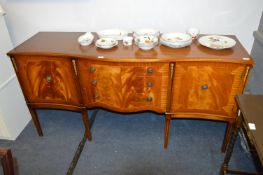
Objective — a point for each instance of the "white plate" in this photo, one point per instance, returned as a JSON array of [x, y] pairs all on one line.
[[217, 42], [85, 39], [175, 37], [106, 43], [117, 34]]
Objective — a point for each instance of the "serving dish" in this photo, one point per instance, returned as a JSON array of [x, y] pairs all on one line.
[[85, 39], [117, 34], [146, 42], [106, 43], [176, 40], [217, 42]]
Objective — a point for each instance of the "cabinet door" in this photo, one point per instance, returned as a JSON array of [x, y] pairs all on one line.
[[125, 87], [202, 87], [48, 79]]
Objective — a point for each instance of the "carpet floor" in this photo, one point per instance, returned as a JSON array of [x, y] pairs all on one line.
[[123, 144]]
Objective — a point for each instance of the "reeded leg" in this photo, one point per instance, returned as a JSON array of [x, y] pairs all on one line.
[[86, 124], [227, 136], [230, 147], [36, 121], [167, 129]]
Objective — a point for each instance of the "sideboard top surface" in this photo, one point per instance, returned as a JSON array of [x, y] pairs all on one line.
[[66, 44]]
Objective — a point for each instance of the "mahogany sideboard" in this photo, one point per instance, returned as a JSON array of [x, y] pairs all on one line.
[[54, 71]]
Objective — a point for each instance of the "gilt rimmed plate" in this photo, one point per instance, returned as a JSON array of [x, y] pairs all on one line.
[[217, 42], [106, 43]]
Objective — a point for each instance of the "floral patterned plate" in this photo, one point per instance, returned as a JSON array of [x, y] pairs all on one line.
[[217, 42], [106, 43]]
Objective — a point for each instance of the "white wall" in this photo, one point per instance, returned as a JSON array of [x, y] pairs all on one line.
[[238, 17], [14, 114]]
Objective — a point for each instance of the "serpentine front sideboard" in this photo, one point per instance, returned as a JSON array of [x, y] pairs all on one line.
[[54, 71]]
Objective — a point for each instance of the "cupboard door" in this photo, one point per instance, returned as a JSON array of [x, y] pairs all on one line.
[[126, 87], [47, 79], [207, 87]]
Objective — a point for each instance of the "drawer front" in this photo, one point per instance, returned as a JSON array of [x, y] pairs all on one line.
[[47, 80], [207, 87], [126, 87]]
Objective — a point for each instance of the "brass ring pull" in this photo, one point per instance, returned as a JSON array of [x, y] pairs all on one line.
[[94, 82], [149, 99], [49, 79], [96, 96], [149, 84], [92, 69], [150, 71], [204, 87]]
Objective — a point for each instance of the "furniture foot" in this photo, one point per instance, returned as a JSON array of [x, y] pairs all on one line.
[[227, 136], [167, 129], [7, 161], [36, 121], [223, 170], [86, 124]]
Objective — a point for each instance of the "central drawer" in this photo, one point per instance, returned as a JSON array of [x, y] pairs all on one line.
[[125, 87]]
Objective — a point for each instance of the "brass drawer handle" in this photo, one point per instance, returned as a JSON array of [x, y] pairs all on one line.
[[49, 79], [149, 71], [204, 87], [92, 69], [96, 96], [149, 84], [94, 82], [149, 99]]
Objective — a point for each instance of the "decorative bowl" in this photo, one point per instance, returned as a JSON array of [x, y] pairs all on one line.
[[146, 42]]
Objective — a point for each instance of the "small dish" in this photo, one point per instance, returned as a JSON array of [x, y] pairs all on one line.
[[117, 34], [146, 31], [85, 39], [217, 42], [106, 43]]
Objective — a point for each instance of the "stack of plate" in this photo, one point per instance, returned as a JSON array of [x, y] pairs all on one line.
[[176, 40]]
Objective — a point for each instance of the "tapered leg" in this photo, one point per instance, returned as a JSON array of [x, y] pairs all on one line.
[[235, 127], [86, 124], [36, 121], [167, 129], [227, 136]]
